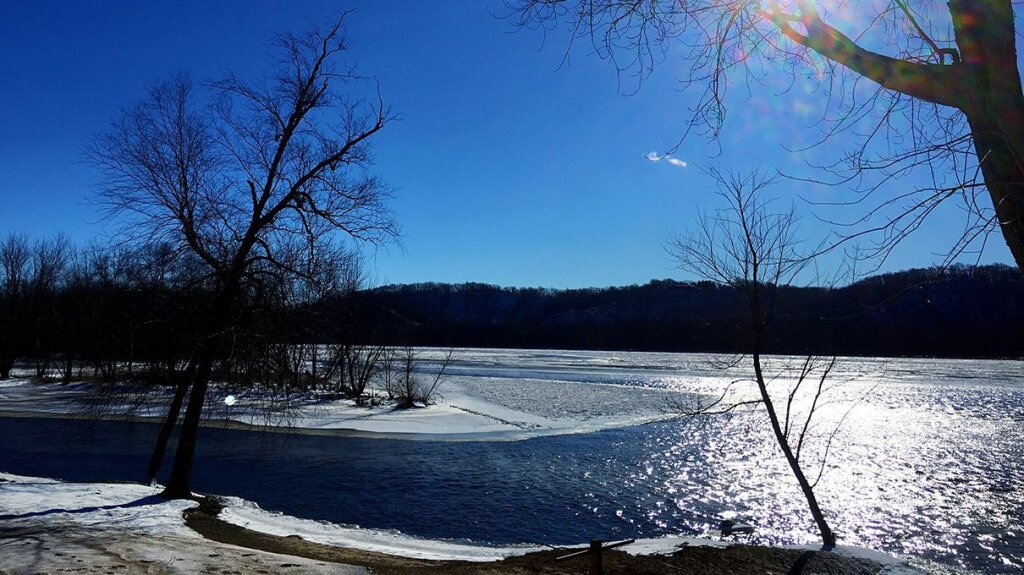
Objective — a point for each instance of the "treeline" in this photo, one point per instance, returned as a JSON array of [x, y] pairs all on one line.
[[64, 310], [113, 314], [958, 312], [117, 315]]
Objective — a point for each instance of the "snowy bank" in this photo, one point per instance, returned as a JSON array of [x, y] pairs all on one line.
[[249, 515], [468, 408], [52, 526]]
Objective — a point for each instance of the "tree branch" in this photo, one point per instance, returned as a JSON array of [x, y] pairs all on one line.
[[934, 83]]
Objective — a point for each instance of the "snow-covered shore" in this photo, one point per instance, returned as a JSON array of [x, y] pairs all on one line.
[[51, 526], [460, 411], [48, 525], [249, 515]]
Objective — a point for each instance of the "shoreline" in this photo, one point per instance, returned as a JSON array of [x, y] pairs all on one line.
[[458, 416], [101, 527], [289, 429], [732, 559], [467, 437]]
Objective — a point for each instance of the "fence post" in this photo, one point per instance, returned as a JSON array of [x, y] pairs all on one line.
[[596, 552]]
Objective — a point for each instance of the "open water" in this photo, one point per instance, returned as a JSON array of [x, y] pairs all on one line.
[[928, 461]]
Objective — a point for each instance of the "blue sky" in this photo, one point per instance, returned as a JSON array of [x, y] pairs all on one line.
[[509, 168]]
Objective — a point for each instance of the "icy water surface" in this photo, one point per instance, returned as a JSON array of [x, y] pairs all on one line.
[[929, 461]]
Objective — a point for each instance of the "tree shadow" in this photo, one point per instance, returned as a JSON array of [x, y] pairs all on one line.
[[801, 562], [32, 539], [816, 561], [147, 500]]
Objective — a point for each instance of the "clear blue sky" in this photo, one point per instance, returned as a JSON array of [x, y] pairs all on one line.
[[509, 169]]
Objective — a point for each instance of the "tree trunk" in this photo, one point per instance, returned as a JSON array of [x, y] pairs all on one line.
[[169, 422], [828, 538], [986, 39], [69, 369], [343, 370], [180, 484], [1003, 170], [316, 349]]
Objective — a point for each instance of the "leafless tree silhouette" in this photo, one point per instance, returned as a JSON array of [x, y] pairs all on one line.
[[756, 251], [254, 178], [15, 259], [30, 275], [929, 88]]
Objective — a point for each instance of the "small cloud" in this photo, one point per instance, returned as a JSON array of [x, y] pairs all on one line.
[[655, 157]]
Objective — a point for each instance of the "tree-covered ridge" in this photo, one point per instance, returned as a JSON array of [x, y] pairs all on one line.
[[958, 312]]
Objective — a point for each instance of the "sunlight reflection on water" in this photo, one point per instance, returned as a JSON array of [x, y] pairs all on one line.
[[929, 463]]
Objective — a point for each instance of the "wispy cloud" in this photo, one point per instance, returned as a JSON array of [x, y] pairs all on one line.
[[655, 157]]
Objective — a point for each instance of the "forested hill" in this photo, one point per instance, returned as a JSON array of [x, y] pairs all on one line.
[[962, 312]]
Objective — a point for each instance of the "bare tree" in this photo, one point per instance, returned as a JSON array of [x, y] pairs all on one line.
[[30, 275], [15, 260], [405, 385], [388, 372], [944, 97], [757, 251], [267, 169], [351, 365], [354, 367], [428, 392], [50, 259]]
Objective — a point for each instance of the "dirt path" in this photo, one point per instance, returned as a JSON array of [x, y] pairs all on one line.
[[734, 560]]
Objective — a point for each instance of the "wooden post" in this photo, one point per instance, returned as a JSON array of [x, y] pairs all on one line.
[[596, 563], [596, 553]]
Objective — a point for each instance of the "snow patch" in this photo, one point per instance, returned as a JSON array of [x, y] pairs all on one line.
[[51, 526], [249, 515], [97, 506], [469, 408]]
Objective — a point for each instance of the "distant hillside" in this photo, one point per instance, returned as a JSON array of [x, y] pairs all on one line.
[[962, 312]]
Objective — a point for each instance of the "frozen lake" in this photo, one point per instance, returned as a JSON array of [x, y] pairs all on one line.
[[929, 461]]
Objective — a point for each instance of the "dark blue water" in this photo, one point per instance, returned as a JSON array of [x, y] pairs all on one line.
[[550, 490], [647, 481]]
